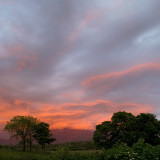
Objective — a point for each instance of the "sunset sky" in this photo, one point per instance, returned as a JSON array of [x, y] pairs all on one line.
[[73, 63]]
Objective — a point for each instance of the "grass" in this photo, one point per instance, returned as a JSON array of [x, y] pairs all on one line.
[[139, 151], [18, 155], [61, 154]]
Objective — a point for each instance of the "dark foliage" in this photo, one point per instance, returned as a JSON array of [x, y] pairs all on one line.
[[42, 134], [127, 128]]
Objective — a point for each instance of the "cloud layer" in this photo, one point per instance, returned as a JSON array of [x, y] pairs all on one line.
[[74, 63]]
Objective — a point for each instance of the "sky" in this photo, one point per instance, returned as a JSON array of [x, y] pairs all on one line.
[[73, 63]]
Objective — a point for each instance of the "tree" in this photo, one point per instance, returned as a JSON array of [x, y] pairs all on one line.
[[21, 127], [42, 134], [105, 134], [127, 128], [31, 130], [148, 128]]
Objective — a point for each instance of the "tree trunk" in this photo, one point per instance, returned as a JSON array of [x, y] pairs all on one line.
[[30, 145], [30, 142], [24, 144], [43, 146]]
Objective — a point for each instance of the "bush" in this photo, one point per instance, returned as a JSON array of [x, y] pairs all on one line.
[[118, 152], [62, 153], [146, 151], [139, 151]]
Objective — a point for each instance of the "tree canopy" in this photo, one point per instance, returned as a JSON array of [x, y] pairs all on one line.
[[42, 134], [127, 128], [28, 128]]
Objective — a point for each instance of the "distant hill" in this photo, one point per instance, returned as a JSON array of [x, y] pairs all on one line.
[[72, 135], [62, 136]]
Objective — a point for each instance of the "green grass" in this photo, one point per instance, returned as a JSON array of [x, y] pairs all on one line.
[[139, 151], [19, 155], [61, 154]]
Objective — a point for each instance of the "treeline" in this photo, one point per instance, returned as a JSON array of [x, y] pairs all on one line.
[[126, 128], [125, 136]]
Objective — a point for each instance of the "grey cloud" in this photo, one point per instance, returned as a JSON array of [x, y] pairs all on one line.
[[48, 47], [138, 84]]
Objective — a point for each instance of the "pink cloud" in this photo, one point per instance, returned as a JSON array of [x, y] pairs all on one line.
[[134, 71], [21, 56], [90, 16], [84, 115]]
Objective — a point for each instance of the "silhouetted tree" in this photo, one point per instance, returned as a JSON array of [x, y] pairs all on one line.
[[127, 128], [21, 127], [148, 128], [42, 134]]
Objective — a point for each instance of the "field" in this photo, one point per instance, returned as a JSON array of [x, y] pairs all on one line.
[[83, 151], [67, 151], [60, 154]]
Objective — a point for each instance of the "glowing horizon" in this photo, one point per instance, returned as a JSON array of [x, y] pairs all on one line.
[[73, 63]]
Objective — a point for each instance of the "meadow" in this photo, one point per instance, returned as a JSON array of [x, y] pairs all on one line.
[[83, 151]]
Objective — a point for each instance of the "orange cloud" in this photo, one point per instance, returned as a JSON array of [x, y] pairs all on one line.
[[83, 115], [20, 102], [135, 70]]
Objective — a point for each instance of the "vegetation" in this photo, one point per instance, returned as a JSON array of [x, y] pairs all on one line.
[[127, 128], [28, 128], [139, 151], [42, 134], [125, 137]]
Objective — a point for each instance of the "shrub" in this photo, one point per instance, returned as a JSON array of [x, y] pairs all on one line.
[[139, 151]]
